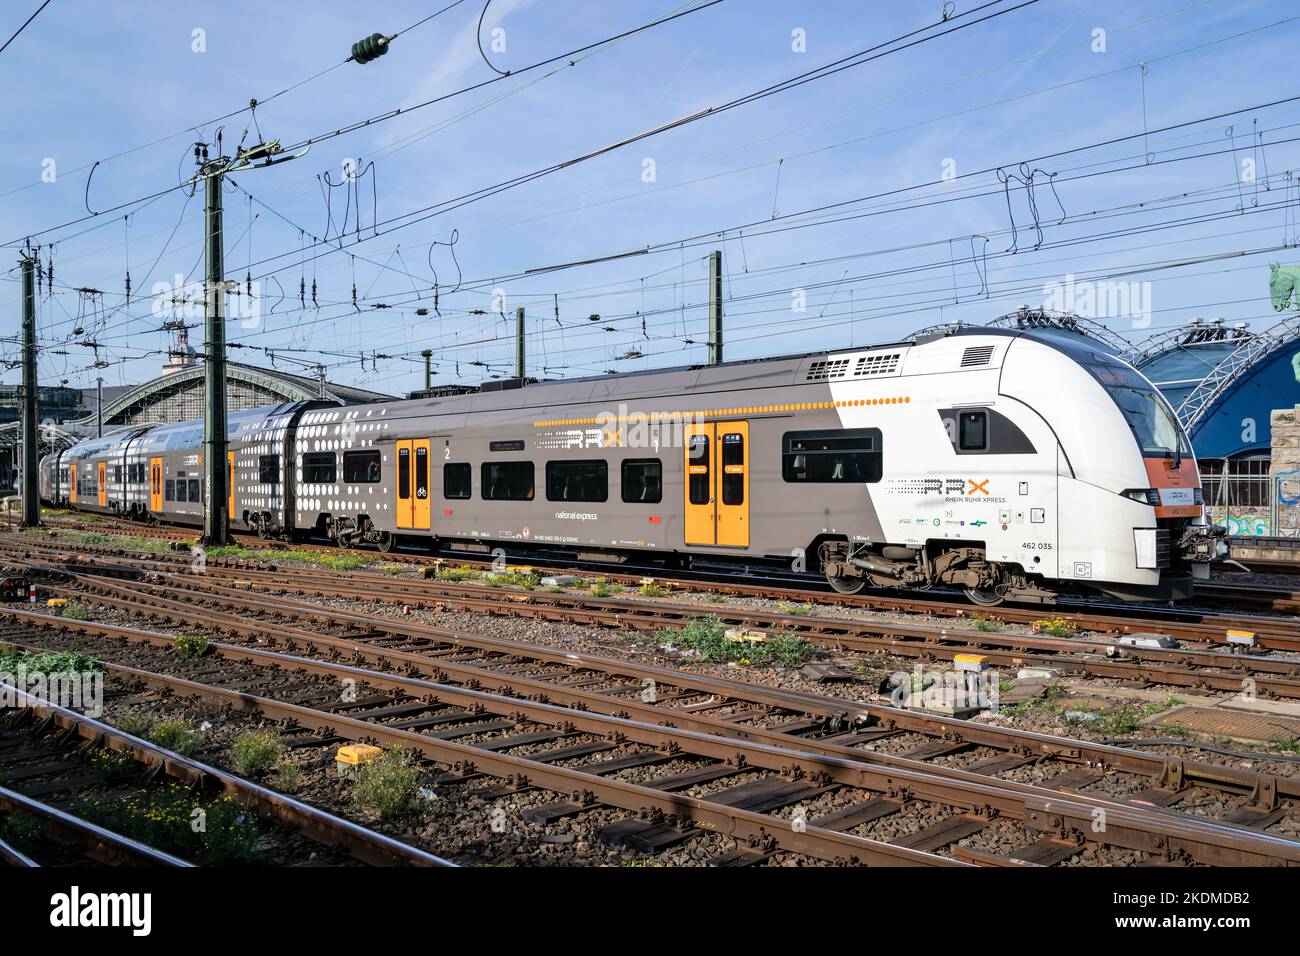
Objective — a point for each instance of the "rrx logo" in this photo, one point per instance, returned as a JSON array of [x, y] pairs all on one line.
[[954, 486]]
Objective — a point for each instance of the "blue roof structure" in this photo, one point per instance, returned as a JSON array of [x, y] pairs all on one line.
[[1225, 382]]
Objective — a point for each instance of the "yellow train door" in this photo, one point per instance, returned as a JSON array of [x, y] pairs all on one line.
[[230, 486], [413, 484], [72, 484], [404, 511], [155, 485], [420, 482], [717, 484], [731, 472], [101, 483], [701, 516]]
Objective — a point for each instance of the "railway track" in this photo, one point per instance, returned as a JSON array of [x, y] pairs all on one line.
[[69, 784], [1271, 633], [1183, 623], [801, 723], [1206, 668], [39, 834]]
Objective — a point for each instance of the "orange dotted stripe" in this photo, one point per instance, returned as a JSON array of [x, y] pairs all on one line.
[[720, 412]]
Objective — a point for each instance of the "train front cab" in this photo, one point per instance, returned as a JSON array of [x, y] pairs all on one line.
[[1131, 520]]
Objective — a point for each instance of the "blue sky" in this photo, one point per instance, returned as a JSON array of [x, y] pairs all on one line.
[[87, 81]]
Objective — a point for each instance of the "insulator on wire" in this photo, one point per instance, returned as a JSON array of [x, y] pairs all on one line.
[[371, 48], [313, 294], [302, 293], [128, 287]]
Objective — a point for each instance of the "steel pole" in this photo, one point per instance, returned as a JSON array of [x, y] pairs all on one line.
[[30, 456], [215, 518]]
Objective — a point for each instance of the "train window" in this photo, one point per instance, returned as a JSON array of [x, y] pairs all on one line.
[[404, 474], [319, 466], [733, 469], [360, 466], [421, 473], [839, 455], [117, 474], [699, 482], [507, 481], [577, 480], [643, 480], [181, 493], [973, 431], [196, 493], [171, 490], [455, 479], [268, 469]]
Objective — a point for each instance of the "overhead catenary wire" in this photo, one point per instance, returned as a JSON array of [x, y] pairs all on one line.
[[26, 23]]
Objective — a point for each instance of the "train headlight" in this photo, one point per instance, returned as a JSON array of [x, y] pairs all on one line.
[[1144, 496]]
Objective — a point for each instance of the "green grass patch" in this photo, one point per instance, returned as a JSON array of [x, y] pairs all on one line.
[[24, 831], [113, 766], [75, 611], [190, 646], [287, 777], [129, 542], [330, 560], [389, 787], [176, 734], [1055, 626], [172, 819], [987, 622], [519, 579], [707, 637], [456, 575], [49, 663], [255, 753]]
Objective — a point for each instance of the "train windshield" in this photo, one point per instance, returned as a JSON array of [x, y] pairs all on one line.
[[1153, 422]]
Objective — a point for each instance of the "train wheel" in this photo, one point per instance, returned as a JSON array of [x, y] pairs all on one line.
[[387, 541], [983, 598], [846, 585]]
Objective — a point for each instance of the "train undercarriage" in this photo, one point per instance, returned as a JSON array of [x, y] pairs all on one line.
[[849, 568]]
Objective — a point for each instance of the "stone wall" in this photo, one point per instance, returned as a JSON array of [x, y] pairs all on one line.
[[1286, 466], [1286, 440]]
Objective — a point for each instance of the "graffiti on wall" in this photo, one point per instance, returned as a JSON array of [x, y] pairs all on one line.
[[1240, 525]]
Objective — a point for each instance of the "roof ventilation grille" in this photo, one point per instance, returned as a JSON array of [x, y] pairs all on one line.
[[976, 355], [827, 369], [882, 363]]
